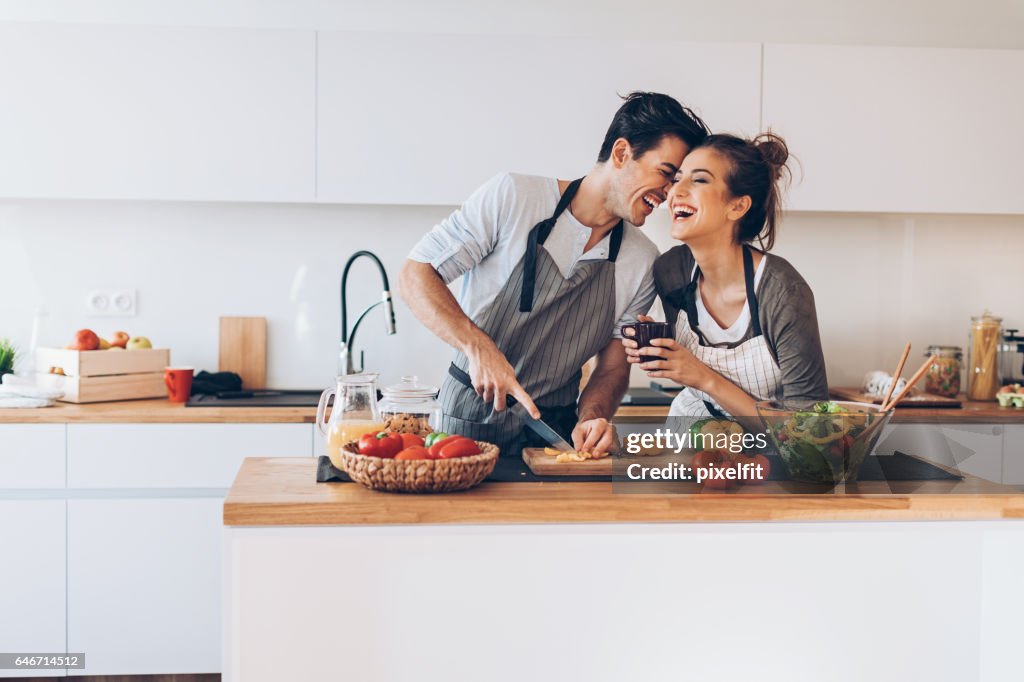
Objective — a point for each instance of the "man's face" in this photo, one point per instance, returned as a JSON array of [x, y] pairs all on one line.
[[641, 184]]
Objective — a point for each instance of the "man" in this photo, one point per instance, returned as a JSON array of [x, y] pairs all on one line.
[[552, 270]]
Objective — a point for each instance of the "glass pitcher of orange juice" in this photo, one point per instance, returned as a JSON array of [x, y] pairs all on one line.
[[354, 413]]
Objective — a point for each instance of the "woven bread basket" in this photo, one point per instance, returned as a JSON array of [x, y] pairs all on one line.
[[419, 475]]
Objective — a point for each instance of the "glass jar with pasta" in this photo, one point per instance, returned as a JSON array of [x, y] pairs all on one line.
[[982, 358], [943, 376]]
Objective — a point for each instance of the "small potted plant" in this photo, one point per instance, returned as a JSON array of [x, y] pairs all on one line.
[[7, 354]]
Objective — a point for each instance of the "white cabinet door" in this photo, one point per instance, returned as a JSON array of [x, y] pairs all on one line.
[[144, 585], [975, 449], [32, 588], [889, 129], [156, 112], [426, 119], [174, 455], [1013, 454], [32, 455]]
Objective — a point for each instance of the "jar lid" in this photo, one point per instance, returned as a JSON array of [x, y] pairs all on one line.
[[986, 318], [932, 350], [410, 388]]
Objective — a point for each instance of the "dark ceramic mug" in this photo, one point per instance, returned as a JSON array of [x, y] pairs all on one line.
[[645, 332]]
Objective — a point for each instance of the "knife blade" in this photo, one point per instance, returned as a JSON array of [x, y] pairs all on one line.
[[538, 426]]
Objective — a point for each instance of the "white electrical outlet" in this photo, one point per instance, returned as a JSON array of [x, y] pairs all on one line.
[[111, 303]]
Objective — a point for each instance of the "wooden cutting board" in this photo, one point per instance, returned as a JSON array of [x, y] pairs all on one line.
[[545, 465], [243, 349], [918, 400]]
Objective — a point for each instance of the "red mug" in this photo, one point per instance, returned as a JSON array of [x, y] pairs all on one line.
[[179, 383]]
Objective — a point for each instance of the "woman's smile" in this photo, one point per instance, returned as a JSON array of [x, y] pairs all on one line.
[[683, 211]]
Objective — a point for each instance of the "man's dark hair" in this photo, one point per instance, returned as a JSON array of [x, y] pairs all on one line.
[[645, 118]]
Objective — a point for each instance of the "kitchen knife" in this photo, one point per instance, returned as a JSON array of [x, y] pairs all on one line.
[[538, 426]]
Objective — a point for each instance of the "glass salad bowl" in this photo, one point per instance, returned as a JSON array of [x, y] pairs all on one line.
[[823, 442]]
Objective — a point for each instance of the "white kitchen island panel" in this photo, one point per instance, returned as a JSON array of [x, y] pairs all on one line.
[[395, 108], [174, 455], [144, 585], [32, 588], [843, 601], [897, 129], [156, 112]]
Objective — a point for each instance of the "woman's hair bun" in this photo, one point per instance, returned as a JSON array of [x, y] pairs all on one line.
[[773, 148], [774, 152]]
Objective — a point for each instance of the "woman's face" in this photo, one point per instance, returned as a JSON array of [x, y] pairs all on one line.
[[700, 202]]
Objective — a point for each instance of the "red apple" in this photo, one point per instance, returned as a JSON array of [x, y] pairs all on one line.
[[119, 339], [85, 339]]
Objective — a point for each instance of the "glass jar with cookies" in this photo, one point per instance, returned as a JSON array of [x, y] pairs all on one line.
[[409, 407]]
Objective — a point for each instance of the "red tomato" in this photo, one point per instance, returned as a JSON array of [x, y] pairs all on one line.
[[435, 449], [410, 440], [414, 452], [714, 459], [754, 460], [704, 459], [463, 447]]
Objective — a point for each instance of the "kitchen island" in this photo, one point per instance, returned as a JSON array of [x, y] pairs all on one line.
[[546, 580]]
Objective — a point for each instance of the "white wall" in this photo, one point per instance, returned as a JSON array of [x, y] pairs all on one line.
[[878, 280]]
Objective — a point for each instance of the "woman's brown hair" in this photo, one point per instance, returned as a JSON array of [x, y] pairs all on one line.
[[757, 165]]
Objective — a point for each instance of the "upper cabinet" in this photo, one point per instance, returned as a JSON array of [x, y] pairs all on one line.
[[229, 114], [899, 129], [426, 119], [149, 112]]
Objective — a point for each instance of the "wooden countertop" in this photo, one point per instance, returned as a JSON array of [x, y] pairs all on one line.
[[159, 411], [162, 411], [284, 492]]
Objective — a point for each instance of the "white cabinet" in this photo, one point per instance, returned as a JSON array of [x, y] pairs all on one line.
[[127, 568], [174, 455], [975, 449], [887, 129], [1013, 454], [144, 585], [144, 570], [156, 112], [32, 608], [426, 119], [32, 455]]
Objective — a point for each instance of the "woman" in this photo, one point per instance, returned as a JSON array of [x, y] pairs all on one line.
[[744, 320]]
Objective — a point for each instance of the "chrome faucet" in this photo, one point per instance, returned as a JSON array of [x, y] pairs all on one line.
[[345, 363]]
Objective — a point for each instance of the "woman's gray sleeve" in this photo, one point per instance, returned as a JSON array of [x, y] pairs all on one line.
[[790, 325]]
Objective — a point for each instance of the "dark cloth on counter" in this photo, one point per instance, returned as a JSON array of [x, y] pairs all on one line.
[[895, 467], [212, 383], [786, 313]]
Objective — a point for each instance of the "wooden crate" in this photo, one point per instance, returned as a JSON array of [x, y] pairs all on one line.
[[96, 363], [92, 376], [107, 388]]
